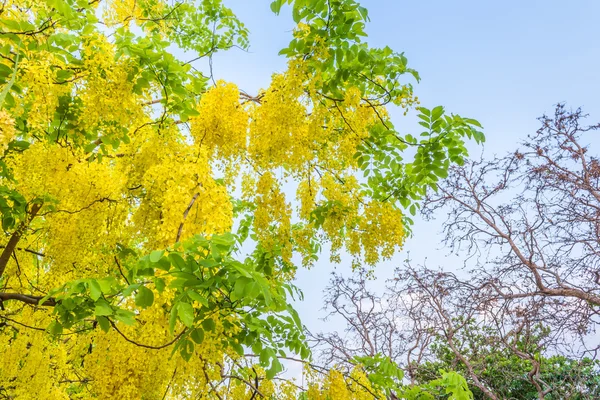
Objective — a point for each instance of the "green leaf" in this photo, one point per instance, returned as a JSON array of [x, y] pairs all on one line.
[[276, 368], [185, 311], [295, 317], [237, 347], [130, 289], [239, 287], [160, 284], [95, 289], [442, 173], [276, 6], [11, 24], [172, 320], [473, 122], [8, 222], [362, 56], [186, 349], [46, 297], [5, 91], [104, 323], [208, 324], [197, 335], [163, 263], [106, 284], [437, 113], [103, 308], [178, 261], [55, 328], [156, 255], [144, 297], [125, 316], [197, 297]]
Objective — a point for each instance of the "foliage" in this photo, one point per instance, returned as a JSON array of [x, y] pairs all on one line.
[[378, 377], [506, 374], [118, 170], [206, 285], [386, 375], [426, 323], [378, 338]]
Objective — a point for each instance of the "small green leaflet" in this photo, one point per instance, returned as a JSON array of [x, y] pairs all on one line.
[[103, 308], [144, 297], [185, 311]]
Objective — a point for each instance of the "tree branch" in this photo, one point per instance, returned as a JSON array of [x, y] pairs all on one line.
[[28, 299], [16, 236]]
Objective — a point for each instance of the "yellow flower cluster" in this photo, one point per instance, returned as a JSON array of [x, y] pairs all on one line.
[[379, 231], [85, 211], [120, 370], [316, 139], [31, 362], [222, 126], [279, 132], [146, 194], [109, 105], [272, 218], [336, 386], [42, 96], [7, 130], [180, 196], [122, 11]]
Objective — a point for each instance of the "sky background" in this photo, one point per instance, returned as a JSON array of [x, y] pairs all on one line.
[[504, 63]]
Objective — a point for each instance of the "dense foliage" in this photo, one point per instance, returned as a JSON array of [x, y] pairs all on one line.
[[507, 374], [130, 180]]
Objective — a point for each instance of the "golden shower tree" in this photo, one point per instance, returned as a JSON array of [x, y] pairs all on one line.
[[129, 181]]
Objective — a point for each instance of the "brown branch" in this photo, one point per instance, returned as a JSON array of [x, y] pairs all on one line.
[[250, 385], [28, 299], [44, 329], [170, 383], [212, 385], [21, 324], [185, 214], [71, 212], [121, 270], [146, 346], [27, 250], [16, 236]]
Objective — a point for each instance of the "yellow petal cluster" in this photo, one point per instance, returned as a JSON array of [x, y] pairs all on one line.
[[222, 125], [7, 130]]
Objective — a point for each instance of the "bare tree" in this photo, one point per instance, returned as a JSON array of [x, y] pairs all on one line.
[[427, 320], [531, 219], [374, 324], [528, 224]]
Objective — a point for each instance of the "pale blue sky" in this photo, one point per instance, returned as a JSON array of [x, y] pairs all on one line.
[[501, 62]]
